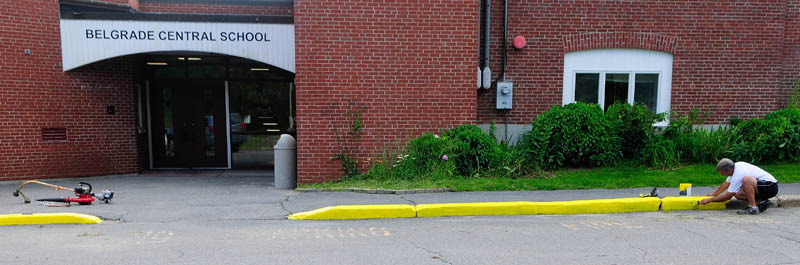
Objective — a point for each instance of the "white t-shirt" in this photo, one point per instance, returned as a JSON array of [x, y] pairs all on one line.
[[743, 169]]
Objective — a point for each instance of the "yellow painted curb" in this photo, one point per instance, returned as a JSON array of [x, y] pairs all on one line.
[[358, 212], [622, 205], [477, 208], [48, 218], [689, 203]]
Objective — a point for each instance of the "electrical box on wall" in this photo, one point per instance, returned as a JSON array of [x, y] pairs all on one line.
[[504, 94]]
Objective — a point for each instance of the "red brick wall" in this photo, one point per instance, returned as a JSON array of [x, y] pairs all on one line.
[[409, 66], [727, 54], [791, 50], [277, 10], [36, 94]]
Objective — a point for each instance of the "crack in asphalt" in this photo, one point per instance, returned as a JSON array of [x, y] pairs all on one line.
[[769, 250], [771, 234], [630, 245], [778, 235], [786, 263], [436, 255], [284, 206], [697, 233], [780, 228], [120, 219], [405, 199], [788, 239]]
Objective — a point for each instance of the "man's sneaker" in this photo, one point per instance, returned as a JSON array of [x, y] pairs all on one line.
[[763, 205], [752, 210]]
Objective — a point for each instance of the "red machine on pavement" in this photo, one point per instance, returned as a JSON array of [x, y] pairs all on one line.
[[83, 191]]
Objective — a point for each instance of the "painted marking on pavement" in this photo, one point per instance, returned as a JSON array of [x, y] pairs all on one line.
[[569, 226], [330, 233], [600, 225], [743, 220], [151, 237]]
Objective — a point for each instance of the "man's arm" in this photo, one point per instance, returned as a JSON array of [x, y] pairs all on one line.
[[721, 198], [721, 188]]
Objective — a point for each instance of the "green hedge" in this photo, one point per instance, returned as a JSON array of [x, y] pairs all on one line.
[[776, 137], [581, 135], [575, 135]]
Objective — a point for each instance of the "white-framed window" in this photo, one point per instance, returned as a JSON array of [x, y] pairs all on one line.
[[606, 76]]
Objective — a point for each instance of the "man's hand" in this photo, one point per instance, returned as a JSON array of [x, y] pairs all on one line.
[[705, 201]]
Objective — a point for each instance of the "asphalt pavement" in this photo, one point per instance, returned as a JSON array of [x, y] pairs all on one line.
[[165, 196], [238, 217]]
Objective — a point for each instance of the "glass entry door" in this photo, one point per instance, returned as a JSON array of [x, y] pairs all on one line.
[[188, 124]]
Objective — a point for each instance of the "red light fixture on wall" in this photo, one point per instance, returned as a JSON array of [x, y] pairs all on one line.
[[519, 42]]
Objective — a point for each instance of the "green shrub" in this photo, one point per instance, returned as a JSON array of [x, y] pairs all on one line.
[[776, 137], [468, 151], [706, 145], [473, 150], [633, 125], [659, 152], [575, 135], [421, 158], [424, 153], [699, 145], [791, 114]]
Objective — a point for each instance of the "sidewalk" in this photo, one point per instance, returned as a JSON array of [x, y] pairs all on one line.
[[227, 195]]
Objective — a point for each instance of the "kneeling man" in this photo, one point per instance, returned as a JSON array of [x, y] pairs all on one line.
[[748, 183]]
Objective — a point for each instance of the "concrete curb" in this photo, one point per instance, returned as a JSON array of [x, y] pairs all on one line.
[[689, 203], [622, 205], [48, 218], [788, 200], [358, 212]]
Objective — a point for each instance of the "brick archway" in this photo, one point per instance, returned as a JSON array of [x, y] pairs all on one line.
[[633, 40]]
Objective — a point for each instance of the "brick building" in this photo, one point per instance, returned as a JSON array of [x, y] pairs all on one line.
[[91, 87]]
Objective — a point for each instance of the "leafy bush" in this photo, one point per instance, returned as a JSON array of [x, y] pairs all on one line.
[[634, 126], [774, 138], [424, 153], [688, 144], [462, 151], [421, 158], [575, 135], [660, 152], [473, 150]]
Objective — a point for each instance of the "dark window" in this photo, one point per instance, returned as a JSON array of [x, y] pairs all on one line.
[[586, 87], [646, 90], [616, 89]]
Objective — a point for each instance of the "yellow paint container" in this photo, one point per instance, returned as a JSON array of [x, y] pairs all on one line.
[[685, 189]]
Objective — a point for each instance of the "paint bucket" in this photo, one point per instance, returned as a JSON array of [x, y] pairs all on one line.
[[685, 189]]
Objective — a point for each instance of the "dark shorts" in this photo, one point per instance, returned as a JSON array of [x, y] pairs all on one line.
[[766, 190]]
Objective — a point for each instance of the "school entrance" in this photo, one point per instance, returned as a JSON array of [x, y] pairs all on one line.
[[213, 91], [213, 111]]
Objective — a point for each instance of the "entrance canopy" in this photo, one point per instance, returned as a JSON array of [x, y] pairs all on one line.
[[85, 41]]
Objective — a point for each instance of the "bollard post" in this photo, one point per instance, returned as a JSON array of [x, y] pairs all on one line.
[[285, 162]]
